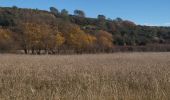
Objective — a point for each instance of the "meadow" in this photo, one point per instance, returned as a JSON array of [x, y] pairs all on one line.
[[119, 76]]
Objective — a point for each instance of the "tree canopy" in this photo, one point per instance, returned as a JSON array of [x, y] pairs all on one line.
[[36, 31]]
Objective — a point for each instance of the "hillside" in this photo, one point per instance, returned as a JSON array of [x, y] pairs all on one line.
[[36, 31]]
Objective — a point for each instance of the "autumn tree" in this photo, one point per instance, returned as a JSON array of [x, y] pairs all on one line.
[[104, 39], [6, 41], [74, 38], [38, 36], [89, 42], [77, 39], [59, 41]]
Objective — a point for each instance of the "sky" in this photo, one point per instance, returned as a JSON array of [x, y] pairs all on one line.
[[143, 12]]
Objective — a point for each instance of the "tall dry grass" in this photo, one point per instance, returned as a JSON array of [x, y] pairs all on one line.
[[122, 76]]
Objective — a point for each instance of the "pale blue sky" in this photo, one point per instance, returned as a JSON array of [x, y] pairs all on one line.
[[149, 12]]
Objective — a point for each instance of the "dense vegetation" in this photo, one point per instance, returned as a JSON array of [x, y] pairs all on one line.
[[36, 31], [119, 76]]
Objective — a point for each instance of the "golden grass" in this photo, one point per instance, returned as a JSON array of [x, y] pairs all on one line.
[[121, 76]]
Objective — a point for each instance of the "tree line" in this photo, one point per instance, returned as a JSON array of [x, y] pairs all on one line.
[[34, 31]]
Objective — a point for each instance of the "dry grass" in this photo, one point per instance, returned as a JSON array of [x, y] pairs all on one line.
[[122, 76]]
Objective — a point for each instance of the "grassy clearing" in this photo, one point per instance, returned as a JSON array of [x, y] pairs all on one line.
[[121, 76]]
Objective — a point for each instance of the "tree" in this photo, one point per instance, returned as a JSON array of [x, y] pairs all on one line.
[[7, 19], [64, 12], [65, 15], [79, 13], [104, 39], [54, 11], [77, 39], [38, 37], [14, 7], [119, 19], [111, 27], [6, 41], [60, 39], [74, 37], [89, 42], [101, 17], [102, 22], [129, 24]]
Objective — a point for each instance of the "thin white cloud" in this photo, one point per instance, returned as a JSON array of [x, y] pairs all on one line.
[[167, 24], [163, 24], [149, 24]]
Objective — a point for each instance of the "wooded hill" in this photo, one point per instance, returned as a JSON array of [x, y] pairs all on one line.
[[36, 31]]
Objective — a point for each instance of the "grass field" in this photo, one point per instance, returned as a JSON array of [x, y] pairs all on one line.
[[119, 76]]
